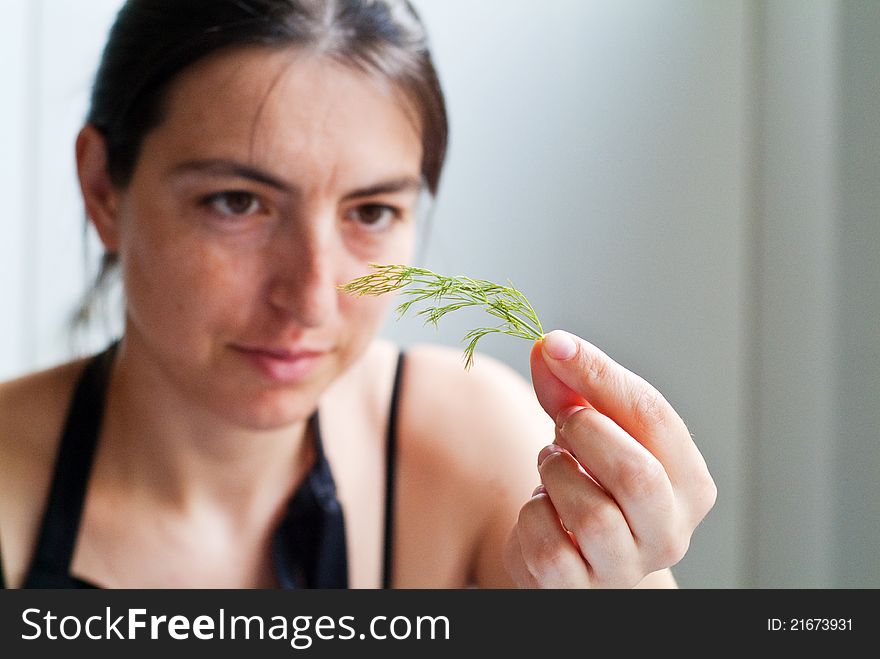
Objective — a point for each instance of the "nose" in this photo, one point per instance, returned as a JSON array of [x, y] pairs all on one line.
[[302, 285]]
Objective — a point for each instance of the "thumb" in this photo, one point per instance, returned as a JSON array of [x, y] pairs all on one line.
[[553, 394]]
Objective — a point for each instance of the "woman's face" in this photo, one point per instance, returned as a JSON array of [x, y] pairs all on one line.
[[273, 177]]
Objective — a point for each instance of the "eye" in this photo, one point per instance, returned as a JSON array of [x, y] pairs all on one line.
[[374, 217], [233, 203]]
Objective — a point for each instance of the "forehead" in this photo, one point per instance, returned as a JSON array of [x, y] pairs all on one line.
[[287, 109]]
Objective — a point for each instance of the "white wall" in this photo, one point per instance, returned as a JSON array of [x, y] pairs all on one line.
[[793, 442], [14, 135], [856, 458], [690, 185], [813, 459], [51, 48]]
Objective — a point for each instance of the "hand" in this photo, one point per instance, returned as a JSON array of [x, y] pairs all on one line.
[[623, 485]]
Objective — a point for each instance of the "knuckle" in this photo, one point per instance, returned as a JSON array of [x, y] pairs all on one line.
[[553, 464], [640, 478], [674, 550], [542, 552], [706, 496], [582, 422], [546, 556], [595, 365], [598, 521], [651, 408], [528, 515]]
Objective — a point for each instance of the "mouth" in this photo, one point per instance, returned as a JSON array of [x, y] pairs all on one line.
[[282, 365]]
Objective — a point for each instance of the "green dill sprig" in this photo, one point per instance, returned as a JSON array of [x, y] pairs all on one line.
[[446, 294]]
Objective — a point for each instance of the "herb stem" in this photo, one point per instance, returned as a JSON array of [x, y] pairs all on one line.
[[451, 294]]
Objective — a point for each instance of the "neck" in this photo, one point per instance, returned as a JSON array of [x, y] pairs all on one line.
[[188, 457]]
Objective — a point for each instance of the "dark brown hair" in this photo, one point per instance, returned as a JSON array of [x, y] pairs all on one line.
[[152, 41]]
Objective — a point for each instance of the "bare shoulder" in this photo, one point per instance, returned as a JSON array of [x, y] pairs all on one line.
[[487, 413], [32, 411], [33, 404], [475, 436]]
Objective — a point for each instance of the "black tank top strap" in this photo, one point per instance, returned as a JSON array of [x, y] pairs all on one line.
[[391, 474], [57, 537], [2, 578]]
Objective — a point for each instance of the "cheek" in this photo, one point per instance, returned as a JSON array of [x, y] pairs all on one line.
[[362, 317], [177, 282]]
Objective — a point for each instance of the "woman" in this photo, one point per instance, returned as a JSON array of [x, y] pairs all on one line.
[[240, 160]]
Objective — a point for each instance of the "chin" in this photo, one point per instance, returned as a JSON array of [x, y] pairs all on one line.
[[268, 410], [272, 418]]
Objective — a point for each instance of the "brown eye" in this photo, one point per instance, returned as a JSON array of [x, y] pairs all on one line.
[[235, 202], [374, 216]]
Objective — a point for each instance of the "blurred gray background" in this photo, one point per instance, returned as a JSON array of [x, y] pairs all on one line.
[[693, 186]]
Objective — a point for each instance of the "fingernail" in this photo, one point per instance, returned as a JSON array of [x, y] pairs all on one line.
[[564, 415], [539, 490], [547, 451], [559, 345]]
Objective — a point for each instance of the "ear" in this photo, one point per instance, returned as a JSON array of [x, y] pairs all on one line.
[[99, 194]]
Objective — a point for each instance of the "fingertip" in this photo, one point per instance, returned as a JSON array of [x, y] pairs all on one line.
[[553, 394], [559, 345], [537, 348], [547, 451], [565, 414]]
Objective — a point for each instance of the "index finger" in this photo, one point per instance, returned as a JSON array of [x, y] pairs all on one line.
[[626, 398]]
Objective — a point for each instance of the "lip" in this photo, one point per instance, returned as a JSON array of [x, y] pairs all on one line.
[[280, 364]]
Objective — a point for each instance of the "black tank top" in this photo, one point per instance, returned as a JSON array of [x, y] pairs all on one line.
[[308, 546]]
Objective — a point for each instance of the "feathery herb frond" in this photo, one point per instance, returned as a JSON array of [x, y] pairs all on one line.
[[446, 294]]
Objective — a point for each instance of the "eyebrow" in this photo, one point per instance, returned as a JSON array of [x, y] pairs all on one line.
[[219, 167]]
